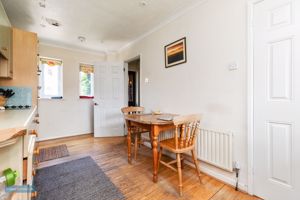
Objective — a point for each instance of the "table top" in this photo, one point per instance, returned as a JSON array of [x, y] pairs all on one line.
[[151, 118]]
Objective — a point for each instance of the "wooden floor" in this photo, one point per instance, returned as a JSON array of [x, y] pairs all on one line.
[[135, 181]]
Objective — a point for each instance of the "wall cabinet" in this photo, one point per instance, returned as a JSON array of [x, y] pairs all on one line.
[[24, 61], [5, 52], [5, 46], [5, 41]]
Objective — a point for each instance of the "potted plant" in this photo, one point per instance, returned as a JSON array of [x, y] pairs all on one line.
[[4, 95]]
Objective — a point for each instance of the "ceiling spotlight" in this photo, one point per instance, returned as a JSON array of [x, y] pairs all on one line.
[[143, 3], [42, 3], [81, 38], [53, 22]]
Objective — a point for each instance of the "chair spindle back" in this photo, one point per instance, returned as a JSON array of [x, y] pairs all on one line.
[[132, 110], [187, 128]]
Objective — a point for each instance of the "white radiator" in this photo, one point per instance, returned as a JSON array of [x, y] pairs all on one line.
[[212, 147], [215, 148]]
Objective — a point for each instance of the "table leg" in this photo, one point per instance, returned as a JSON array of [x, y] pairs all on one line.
[[150, 136], [129, 145], [155, 133]]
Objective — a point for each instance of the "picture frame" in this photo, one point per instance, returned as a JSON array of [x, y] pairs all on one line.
[[175, 53]]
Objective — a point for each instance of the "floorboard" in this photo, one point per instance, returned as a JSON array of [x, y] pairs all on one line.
[[135, 181]]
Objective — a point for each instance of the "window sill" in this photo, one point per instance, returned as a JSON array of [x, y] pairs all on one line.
[[85, 97], [51, 98]]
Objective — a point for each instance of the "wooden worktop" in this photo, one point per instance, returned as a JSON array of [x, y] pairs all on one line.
[[13, 123]]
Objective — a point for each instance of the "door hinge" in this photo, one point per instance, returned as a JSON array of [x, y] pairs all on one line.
[[124, 69]]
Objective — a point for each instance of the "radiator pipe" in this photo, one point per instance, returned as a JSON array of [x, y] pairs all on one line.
[[237, 170]]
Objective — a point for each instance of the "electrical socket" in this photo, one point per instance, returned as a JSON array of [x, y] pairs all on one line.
[[236, 165]]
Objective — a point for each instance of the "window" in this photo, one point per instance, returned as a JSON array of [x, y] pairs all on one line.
[[86, 76], [51, 83]]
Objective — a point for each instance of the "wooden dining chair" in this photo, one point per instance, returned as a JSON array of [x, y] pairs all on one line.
[[186, 130], [136, 132]]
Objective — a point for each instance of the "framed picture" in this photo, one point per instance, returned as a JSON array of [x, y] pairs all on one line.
[[175, 53]]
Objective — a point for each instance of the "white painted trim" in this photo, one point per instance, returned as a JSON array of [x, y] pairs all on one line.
[[141, 78], [75, 49], [139, 56], [162, 24], [132, 58], [126, 79], [60, 137], [221, 177], [250, 95]]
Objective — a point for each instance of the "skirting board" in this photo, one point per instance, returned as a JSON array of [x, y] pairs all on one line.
[[65, 136], [212, 173]]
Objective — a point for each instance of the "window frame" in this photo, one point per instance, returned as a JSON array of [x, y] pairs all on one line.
[[93, 82], [41, 80]]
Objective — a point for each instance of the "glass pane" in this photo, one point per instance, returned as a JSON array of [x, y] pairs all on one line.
[[51, 80], [86, 84]]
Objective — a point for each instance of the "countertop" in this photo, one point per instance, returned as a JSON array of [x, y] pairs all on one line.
[[14, 122]]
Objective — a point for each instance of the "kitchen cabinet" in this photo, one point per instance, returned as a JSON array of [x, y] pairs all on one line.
[[6, 68], [5, 41], [24, 62], [18, 147]]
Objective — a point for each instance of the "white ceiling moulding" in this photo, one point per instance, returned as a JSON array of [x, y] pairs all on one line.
[[73, 48], [162, 24]]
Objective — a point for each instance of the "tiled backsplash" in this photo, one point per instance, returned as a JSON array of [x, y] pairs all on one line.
[[23, 96]]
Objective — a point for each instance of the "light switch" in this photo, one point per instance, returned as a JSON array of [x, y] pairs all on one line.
[[233, 66], [146, 80]]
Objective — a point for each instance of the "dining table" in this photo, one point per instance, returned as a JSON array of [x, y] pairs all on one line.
[[156, 124]]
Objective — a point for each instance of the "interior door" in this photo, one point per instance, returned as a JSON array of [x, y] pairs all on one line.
[[108, 100], [276, 26]]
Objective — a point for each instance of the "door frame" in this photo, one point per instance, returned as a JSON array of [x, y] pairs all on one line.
[[138, 56], [250, 93]]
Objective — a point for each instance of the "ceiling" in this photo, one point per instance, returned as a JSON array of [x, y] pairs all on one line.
[[107, 25]]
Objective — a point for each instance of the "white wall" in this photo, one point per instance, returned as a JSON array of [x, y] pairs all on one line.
[[71, 115], [216, 36]]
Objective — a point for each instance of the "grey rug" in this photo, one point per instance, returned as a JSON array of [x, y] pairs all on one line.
[[80, 179]]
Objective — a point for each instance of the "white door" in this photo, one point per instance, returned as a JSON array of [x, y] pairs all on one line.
[[276, 26], [108, 100]]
